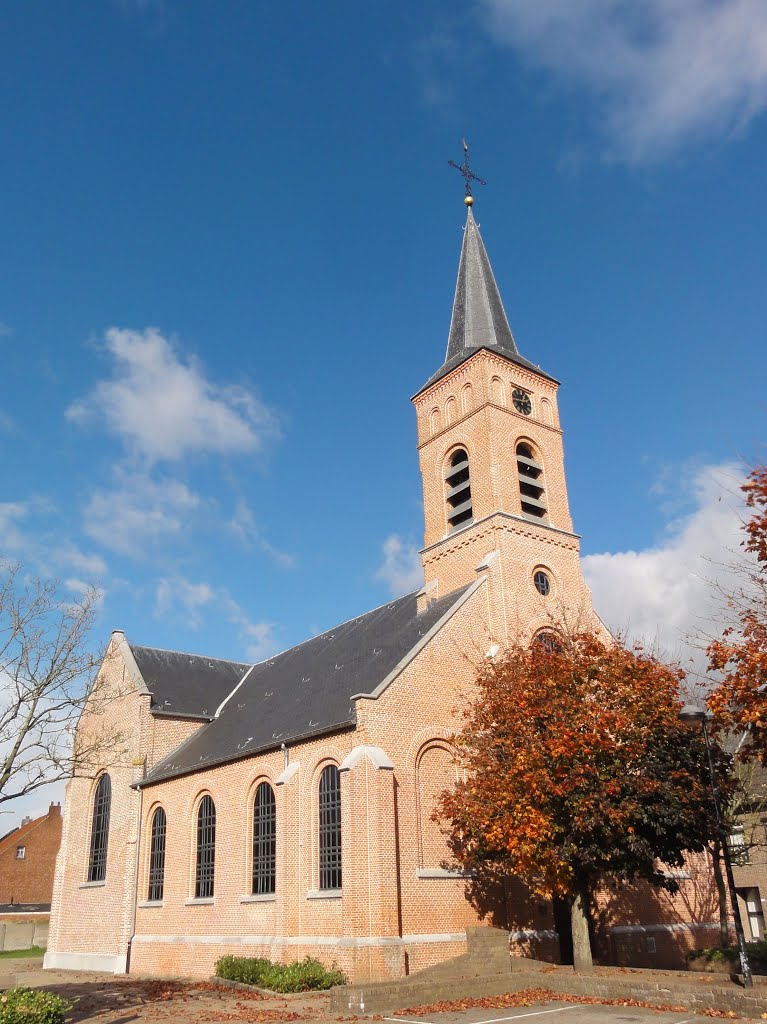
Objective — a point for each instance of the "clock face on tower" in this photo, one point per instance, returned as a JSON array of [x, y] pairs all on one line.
[[521, 401]]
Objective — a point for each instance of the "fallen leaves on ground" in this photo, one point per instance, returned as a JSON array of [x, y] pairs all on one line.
[[528, 996]]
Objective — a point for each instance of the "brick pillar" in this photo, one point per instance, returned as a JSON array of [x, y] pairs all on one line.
[[291, 881], [369, 864]]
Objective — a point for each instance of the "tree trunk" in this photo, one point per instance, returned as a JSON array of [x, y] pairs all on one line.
[[582, 962], [721, 891]]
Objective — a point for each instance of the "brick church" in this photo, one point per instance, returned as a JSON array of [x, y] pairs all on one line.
[[284, 808]]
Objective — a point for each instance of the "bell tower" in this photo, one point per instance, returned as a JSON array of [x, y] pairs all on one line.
[[492, 463]]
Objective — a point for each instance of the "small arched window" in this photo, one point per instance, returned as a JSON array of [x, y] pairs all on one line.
[[97, 860], [434, 421], [157, 856], [548, 642], [530, 474], [467, 397], [450, 408], [205, 867], [264, 841], [458, 490], [330, 827]]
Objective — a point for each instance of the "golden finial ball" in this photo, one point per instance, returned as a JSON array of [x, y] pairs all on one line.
[[469, 200]]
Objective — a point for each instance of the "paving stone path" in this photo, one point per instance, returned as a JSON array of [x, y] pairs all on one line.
[[109, 999]]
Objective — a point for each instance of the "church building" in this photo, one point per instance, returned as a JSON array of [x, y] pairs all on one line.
[[284, 808]]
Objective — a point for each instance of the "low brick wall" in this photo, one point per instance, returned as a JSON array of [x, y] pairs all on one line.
[[652, 987]]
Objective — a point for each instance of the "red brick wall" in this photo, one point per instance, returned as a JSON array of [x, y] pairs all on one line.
[[31, 880]]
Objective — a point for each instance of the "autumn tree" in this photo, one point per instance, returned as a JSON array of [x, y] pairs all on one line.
[[578, 770], [739, 656], [47, 666]]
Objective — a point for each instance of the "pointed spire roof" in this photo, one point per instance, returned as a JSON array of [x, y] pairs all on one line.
[[479, 319]]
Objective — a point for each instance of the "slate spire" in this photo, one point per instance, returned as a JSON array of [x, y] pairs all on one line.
[[479, 319]]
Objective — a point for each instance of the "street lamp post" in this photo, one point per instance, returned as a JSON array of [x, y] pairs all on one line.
[[694, 714]]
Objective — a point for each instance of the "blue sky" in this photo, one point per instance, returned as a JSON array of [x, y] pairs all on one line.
[[229, 245]]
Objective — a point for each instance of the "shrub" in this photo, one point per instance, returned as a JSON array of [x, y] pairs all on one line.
[[756, 951], [307, 975], [32, 1006]]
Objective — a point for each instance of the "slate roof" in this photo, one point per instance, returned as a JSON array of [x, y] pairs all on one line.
[[307, 690], [187, 684], [479, 319]]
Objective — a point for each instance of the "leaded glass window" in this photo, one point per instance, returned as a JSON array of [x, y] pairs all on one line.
[[264, 840], [330, 828], [157, 856], [206, 849], [97, 860]]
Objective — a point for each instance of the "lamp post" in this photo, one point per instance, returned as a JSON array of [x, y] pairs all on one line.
[[694, 714]]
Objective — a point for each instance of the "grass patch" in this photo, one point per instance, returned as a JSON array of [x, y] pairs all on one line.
[[307, 975], [18, 954]]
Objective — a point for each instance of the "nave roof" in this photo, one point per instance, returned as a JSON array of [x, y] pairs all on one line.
[[307, 690]]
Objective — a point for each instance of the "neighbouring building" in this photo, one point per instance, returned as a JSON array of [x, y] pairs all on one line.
[[285, 808], [28, 860]]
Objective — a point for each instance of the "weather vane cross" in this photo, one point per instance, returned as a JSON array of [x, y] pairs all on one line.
[[468, 174]]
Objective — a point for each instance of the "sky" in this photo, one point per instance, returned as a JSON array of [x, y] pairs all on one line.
[[229, 241]]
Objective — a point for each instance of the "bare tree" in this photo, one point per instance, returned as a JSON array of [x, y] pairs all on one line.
[[47, 669]]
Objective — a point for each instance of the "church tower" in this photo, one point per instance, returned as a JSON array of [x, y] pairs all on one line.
[[492, 462]]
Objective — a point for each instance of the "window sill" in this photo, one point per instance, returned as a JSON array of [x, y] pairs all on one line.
[[264, 897], [324, 894], [93, 885], [200, 901], [441, 873], [147, 904]]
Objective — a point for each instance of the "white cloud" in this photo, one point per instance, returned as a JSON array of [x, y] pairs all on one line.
[[665, 73], [192, 598], [139, 511], [163, 407], [243, 525], [5, 330], [194, 603], [12, 537], [670, 595], [401, 568]]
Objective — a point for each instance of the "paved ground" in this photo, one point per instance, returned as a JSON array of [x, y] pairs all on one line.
[[109, 999], [554, 1013]]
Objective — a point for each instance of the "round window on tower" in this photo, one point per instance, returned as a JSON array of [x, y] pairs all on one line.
[[542, 582]]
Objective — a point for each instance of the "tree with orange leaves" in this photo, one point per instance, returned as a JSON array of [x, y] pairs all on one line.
[[740, 700], [578, 770]]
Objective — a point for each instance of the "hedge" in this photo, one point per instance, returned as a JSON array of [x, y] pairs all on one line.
[[301, 976]]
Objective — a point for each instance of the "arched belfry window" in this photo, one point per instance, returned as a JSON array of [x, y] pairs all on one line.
[[530, 473], [458, 490], [97, 859], [157, 856], [205, 867], [264, 841], [330, 827]]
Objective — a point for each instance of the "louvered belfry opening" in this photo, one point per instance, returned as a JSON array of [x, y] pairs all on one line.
[[459, 510], [530, 474], [97, 860], [206, 849], [157, 856], [264, 841], [330, 828]]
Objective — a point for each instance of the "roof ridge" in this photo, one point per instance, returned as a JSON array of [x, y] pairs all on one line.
[[188, 654]]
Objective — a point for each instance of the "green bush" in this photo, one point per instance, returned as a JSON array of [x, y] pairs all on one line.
[[306, 975], [32, 1006], [757, 954]]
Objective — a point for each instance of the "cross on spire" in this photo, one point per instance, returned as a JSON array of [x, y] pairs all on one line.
[[468, 174]]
